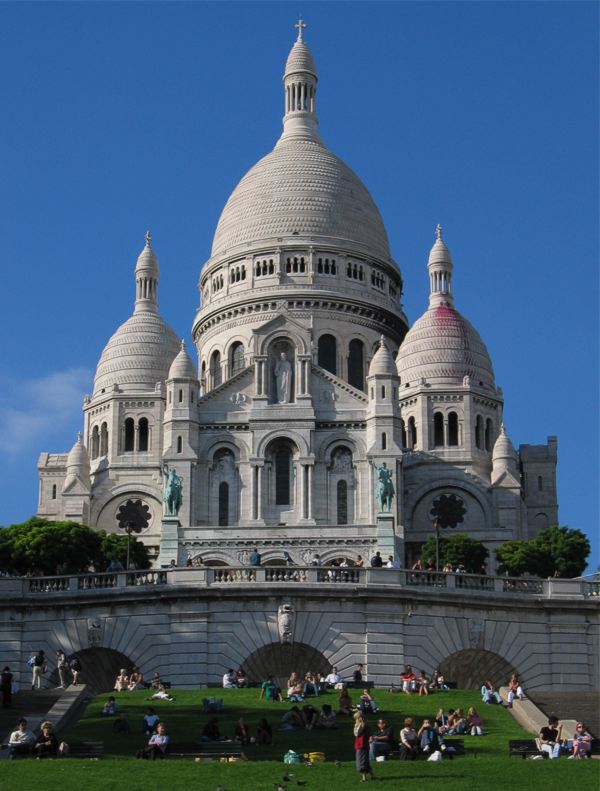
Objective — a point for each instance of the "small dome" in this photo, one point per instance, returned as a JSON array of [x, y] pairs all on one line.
[[182, 366], [504, 450], [439, 253], [300, 59], [138, 355], [147, 261], [382, 362], [78, 466], [443, 347]]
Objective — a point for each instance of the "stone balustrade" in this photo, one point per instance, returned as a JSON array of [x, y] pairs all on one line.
[[206, 577]]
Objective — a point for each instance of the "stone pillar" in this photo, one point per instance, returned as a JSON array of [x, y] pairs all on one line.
[[386, 538], [169, 540]]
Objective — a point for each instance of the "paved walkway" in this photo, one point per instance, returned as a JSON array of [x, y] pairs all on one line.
[[583, 706]]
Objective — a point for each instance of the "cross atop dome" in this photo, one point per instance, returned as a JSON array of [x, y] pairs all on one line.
[[148, 238], [300, 25], [438, 231]]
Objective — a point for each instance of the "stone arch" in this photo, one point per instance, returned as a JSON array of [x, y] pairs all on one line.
[[282, 434], [100, 667], [278, 660], [240, 452], [469, 668], [298, 340], [105, 512], [449, 482]]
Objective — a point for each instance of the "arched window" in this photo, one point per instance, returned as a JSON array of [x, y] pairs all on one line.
[[54, 491], [342, 503], [479, 432], [215, 369], [489, 431], [95, 443], [283, 469], [202, 377], [383, 441], [540, 484], [143, 434], [438, 430], [327, 355], [453, 429], [104, 440], [236, 358], [179, 444], [412, 433], [129, 434], [180, 396], [223, 504], [403, 431], [356, 364]]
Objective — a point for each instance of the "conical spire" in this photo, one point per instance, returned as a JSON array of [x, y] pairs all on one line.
[[300, 86], [382, 362], [182, 366], [439, 265], [146, 279], [504, 455], [78, 465]]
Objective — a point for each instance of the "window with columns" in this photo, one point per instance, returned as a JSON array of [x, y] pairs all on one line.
[[104, 440], [356, 364], [327, 353]]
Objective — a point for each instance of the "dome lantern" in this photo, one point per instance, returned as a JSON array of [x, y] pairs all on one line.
[[146, 279], [439, 265], [300, 87]]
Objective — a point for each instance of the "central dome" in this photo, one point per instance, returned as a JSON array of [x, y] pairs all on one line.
[[301, 189]]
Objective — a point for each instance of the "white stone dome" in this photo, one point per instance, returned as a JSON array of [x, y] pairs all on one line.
[[182, 366], [300, 59], [382, 362], [138, 355], [443, 347], [504, 450], [301, 189]]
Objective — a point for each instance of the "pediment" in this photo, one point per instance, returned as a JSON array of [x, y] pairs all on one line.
[[331, 394], [75, 486], [507, 480], [232, 395], [286, 325]]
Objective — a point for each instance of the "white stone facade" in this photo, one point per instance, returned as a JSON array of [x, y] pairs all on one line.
[[301, 267]]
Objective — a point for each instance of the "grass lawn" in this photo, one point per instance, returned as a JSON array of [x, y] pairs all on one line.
[[486, 764]]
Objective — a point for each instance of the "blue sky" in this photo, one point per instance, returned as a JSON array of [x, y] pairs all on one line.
[[118, 117]]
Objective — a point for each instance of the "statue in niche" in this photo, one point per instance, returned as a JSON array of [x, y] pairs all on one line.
[[283, 379], [285, 622], [95, 631], [172, 493], [384, 490], [225, 464]]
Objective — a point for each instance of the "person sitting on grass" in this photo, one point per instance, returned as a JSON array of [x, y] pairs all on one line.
[[120, 725], [460, 721], [582, 742], [474, 723], [161, 694], [311, 685], [136, 679], [429, 738], [241, 679], [310, 716], [515, 690], [157, 745], [211, 732], [489, 694], [110, 707], [409, 746], [441, 721], [549, 738], [151, 720], [270, 690], [345, 705], [241, 733], [46, 744], [382, 741], [21, 741], [122, 681], [327, 717], [423, 683], [292, 720], [367, 703], [230, 679], [264, 733], [409, 680]]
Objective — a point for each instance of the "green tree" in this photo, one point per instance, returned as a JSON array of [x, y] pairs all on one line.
[[114, 547], [457, 548], [555, 551]]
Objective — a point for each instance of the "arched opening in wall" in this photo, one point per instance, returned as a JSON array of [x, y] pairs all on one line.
[[453, 429], [223, 504], [327, 353], [202, 376], [143, 434], [403, 432], [129, 435], [215, 369], [438, 430], [469, 668], [489, 434], [236, 358], [104, 440], [179, 444], [412, 434], [356, 364], [342, 502], [541, 522], [479, 432], [278, 660], [283, 475], [100, 666], [95, 443]]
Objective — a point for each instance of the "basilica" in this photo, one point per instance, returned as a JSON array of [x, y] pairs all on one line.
[[318, 421]]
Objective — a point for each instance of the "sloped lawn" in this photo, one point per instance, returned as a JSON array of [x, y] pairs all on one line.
[[486, 764]]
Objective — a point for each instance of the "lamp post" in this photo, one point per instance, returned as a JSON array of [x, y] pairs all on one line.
[[129, 528], [436, 527]]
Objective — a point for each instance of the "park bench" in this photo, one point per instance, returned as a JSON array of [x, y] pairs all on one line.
[[523, 748], [458, 746], [205, 750]]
